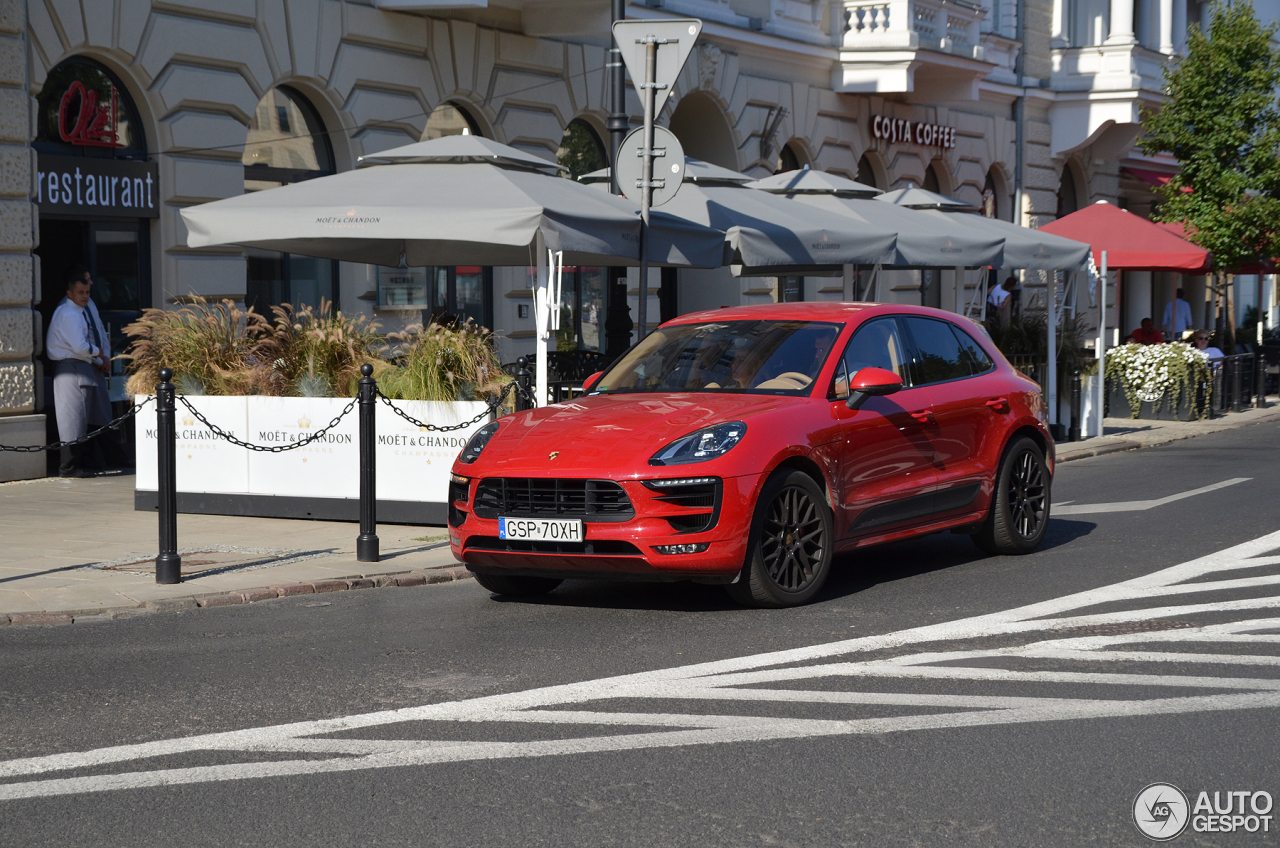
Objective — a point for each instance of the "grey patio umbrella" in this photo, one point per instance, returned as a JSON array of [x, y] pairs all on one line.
[[771, 235], [919, 198], [922, 242], [457, 200]]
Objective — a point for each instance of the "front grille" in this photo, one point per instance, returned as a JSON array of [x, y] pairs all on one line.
[[591, 547], [537, 497]]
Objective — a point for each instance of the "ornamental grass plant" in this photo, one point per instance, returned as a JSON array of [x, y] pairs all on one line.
[[442, 362], [218, 349], [213, 348], [1162, 374]]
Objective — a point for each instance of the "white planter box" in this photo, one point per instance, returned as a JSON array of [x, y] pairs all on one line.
[[319, 480]]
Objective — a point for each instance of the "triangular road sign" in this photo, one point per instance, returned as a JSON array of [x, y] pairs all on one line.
[[675, 38]]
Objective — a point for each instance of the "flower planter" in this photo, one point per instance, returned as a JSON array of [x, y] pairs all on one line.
[[319, 480]]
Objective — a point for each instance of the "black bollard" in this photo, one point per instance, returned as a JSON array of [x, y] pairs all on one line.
[[1235, 384], [525, 378], [1073, 433], [367, 541], [168, 563], [1260, 371]]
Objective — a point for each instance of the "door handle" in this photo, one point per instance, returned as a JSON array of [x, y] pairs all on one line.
[[999, 404], [924, 416]]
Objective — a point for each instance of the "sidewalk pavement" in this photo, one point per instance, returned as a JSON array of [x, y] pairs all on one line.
[[77, 551]]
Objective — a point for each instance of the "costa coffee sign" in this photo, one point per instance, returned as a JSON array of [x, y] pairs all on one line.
[[896, 130], [85, 120]]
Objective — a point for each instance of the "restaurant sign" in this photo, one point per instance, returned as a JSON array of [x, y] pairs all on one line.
[[896, 130], [97, 188]]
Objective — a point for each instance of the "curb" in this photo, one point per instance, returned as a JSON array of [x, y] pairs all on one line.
[[1128, 444], [393, 579]]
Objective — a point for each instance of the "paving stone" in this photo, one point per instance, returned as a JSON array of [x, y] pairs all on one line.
[[170, 604], [460, 572], [382, 580], [39, 618], [250, 596], [294, 589], [361, 583], [96, 618], [4, 619], [329, 586], [411, 579], [228, 600]]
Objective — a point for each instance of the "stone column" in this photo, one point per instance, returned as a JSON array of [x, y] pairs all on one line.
[[1121, 22], [1060, 27], [1166, 27], [18, 236]]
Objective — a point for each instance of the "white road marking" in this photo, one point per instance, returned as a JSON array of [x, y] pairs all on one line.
[[585, 710], [1059, 510]]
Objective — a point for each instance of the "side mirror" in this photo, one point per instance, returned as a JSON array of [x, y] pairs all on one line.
[[590, 383], [869, 383]]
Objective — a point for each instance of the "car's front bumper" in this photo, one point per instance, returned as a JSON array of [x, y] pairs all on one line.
[[626, 549]]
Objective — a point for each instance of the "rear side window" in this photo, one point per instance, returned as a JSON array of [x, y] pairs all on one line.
[[971, 353], [939, 356]]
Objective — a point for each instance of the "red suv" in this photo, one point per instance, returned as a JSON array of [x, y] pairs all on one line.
[[747, 446]]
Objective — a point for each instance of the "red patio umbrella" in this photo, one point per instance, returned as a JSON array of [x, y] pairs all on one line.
[[1132, 243]]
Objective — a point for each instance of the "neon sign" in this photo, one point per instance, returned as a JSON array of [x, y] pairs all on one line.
[[83, 120]]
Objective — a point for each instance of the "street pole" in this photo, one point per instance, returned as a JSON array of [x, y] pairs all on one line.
[[168, 562], [366, 398], [619, 125], [646, 178]]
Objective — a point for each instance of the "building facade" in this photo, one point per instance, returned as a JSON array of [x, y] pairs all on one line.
[[1028, 108]]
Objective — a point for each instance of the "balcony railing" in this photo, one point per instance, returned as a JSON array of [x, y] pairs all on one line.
[[948, 26]]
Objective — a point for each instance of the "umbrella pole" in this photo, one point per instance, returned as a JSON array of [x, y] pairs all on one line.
[[1102, 342], [1051, 342], [542, 311]]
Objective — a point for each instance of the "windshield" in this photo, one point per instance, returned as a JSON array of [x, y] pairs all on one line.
[[769, 357]]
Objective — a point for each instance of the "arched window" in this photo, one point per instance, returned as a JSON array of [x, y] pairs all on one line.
[[449, 119], [1068, 194], [96, 193], [457, 292], [995, 202], [934, 180], [581, 150], [704, 131], [789, 158], [286, 144], [867, 174]]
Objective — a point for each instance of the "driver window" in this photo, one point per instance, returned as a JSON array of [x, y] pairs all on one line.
[[876, 344]]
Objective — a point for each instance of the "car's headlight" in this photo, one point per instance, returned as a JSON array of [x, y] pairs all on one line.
[[477, 442], [707, 443]]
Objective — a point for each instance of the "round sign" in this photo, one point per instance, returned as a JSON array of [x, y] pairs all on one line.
[[1161, 811], [668, 168]]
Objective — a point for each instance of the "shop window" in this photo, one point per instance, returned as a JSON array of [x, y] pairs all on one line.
[[460, 293], [581, 150], [788, 159], [286, 144], [933, 180], [84, 111], [867, 174], [1068, 196], [582, 309], [788, 289]]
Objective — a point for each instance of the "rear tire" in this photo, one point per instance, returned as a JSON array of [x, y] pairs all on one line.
[[516, 585], [1019, 513], [791, 545]]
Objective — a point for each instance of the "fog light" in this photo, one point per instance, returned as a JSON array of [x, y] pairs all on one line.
[[458, 478], [455, 540], [682, 549]]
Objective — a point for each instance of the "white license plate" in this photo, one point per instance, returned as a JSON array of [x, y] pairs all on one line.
[[541, 529]]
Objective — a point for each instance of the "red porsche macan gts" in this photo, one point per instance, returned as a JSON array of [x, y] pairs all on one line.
[[748, 446]]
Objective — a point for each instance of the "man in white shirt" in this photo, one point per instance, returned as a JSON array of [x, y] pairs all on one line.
[[1177, 317], [81, 357]]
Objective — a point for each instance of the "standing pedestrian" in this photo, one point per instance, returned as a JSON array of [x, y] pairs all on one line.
[[81, 359], [1177, 316]]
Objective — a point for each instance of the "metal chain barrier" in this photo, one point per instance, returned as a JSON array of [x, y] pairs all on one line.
[[114, 425], [223, 434], [492, 410]]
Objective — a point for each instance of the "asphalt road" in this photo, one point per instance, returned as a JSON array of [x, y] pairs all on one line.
[[932, 696]]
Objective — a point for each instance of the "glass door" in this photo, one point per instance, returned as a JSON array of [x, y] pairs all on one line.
[[119, 264]]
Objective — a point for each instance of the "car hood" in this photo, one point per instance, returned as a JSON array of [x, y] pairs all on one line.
[[617, 433]]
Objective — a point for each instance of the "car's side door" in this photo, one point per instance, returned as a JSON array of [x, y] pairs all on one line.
[[960, 380], [885, 457]]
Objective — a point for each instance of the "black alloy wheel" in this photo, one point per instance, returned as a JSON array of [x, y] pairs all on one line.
[[1019, 512], [790, 551]]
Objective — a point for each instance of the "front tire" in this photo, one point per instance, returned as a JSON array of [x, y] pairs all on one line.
[[1019, 513], [515, 585], [791, 545]]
